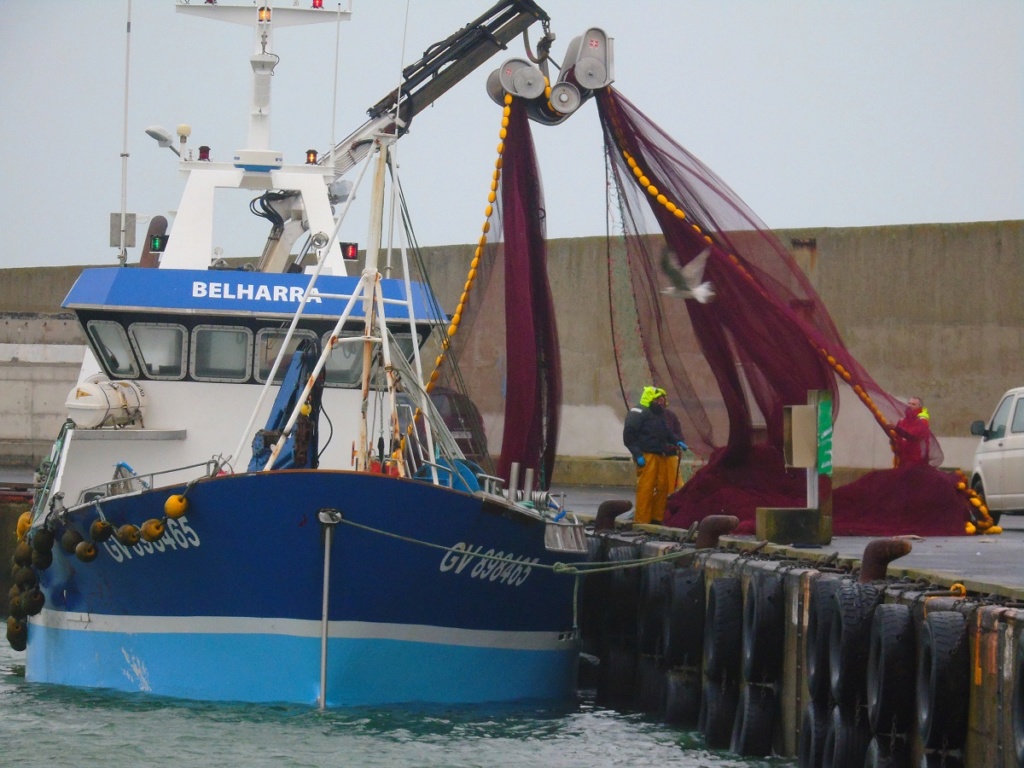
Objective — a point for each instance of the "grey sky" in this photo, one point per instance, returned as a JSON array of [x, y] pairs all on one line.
[[816, 112]]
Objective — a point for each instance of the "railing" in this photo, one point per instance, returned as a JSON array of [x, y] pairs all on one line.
[[134, 483]]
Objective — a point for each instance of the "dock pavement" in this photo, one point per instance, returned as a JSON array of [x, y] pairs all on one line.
[[987, 564]]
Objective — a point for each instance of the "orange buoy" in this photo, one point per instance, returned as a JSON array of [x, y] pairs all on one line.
[[17, 633], [86, 551], [69, 540], [33, 601], [24, 523], [153, 529], [16, 606], [100, 530], [42, 540], [128, 535], [22, 553], [175, 506], [42, 559], [24, 577]]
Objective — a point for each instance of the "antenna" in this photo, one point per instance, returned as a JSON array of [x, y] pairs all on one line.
[[122, 253]]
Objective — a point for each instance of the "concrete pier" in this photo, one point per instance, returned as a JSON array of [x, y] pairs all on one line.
[[939, 579]]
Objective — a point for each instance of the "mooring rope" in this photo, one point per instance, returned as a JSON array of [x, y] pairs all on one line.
[[581, 569]]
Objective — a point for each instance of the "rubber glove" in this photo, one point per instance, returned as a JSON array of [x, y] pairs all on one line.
[[683, 446], [640, 461]]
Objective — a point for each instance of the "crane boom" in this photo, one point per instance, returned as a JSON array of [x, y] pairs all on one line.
[[442, 66]]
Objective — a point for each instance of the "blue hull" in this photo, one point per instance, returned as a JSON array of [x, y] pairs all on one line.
[[228, 605]]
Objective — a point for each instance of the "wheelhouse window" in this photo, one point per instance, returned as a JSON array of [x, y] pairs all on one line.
[[221, 353], [161, 347], [110, 343], [268, 347], [344, 365], [405, 344]]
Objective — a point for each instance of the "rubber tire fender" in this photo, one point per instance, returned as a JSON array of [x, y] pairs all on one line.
[[943, 680], [651, 613], [852, 610], [1018, 700], [939, 759], [764, 628], [890, 676], [813, 730], [623, 594], [819, 626], [682, 697], [618, 678], [755, 721], [846, 743], [683, 625], [718, 712], [650, 690], [723, 629], [593, 591], [885, 753]]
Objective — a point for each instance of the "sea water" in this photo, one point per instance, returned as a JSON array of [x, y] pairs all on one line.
[[53, 726]]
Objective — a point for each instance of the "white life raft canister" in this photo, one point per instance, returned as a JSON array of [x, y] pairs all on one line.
[[99, 402]]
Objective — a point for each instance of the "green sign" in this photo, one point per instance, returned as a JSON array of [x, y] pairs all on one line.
[[825, 436]]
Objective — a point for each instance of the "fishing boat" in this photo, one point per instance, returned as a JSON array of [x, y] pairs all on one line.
[[254, 498]]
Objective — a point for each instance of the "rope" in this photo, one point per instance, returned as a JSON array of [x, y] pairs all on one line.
[[580, 569]]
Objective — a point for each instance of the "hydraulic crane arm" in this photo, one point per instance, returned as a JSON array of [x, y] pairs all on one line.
[[442, 66]]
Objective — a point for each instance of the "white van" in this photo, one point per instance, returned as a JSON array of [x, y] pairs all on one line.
[[998, 473]]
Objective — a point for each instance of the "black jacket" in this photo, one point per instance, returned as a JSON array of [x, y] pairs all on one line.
[[647, 431]]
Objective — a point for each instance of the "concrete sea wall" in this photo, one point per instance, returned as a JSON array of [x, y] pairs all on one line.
[[928, 309]]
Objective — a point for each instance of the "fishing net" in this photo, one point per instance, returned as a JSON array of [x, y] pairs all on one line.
[[731, 363], [505, 317]]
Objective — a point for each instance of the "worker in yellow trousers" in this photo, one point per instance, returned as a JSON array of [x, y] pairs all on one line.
[[651, 443]]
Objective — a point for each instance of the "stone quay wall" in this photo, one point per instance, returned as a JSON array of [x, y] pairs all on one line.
[[927, 309]]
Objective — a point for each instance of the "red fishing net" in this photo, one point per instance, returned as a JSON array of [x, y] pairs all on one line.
[[732, 363]]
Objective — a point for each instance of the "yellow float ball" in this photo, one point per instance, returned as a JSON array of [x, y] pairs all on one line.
[[153, 530], [644, 181], [128, 535], [969, 529], [24, 523], [175, 506]]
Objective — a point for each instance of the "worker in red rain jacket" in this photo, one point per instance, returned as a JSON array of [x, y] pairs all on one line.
[[913, 435]]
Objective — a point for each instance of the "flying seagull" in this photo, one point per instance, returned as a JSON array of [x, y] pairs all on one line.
[[689, 282]]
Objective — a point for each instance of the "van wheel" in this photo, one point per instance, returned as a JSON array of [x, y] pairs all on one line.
[[979, 488]]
